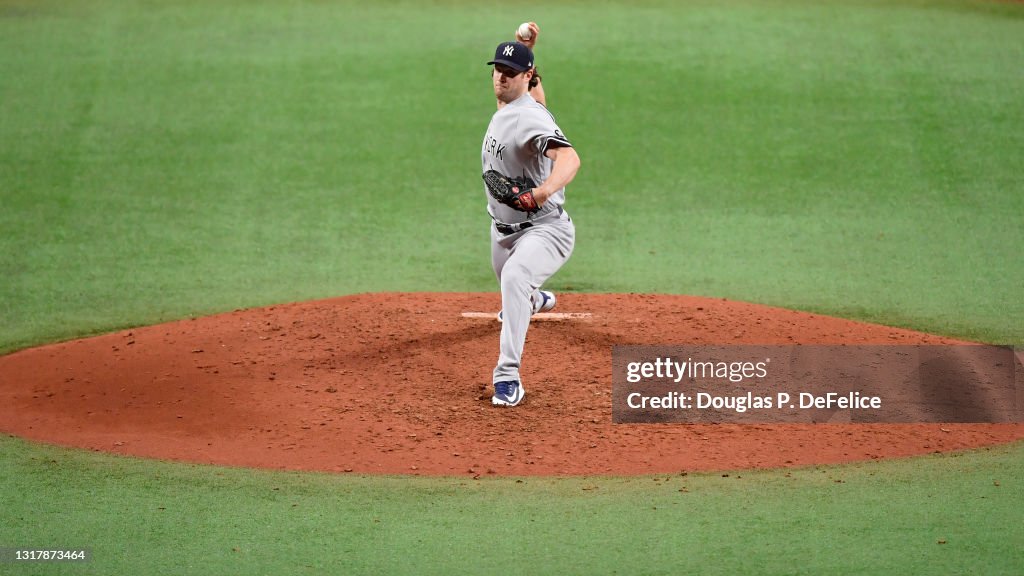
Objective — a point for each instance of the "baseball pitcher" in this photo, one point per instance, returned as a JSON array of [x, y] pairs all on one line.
[[527, 162]]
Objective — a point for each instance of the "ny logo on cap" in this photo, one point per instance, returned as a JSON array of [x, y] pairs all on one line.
[[509, 50]]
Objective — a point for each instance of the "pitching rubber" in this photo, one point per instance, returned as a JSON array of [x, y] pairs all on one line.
[[555, 316]]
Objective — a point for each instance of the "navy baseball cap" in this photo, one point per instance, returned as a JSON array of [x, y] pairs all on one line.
[[515, 55]]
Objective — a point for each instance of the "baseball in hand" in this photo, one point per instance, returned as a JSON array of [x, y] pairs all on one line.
[[524, 31]]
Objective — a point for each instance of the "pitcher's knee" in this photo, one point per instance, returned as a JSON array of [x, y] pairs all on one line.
[[515, 278]]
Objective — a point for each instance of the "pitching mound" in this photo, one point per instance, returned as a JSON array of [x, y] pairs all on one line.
[[400, 383]]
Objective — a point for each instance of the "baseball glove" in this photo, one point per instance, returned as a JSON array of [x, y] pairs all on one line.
[[515, 193]]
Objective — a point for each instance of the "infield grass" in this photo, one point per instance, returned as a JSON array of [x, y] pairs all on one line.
[[167, 158], [942, 514]]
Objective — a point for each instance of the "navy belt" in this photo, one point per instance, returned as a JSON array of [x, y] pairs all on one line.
[[507, 229]]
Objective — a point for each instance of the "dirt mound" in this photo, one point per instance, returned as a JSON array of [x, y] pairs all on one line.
[[400, 383]]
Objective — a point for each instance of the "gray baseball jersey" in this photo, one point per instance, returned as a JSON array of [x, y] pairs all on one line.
[[517, 138]]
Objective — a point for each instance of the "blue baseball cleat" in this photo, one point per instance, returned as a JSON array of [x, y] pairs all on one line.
[[508, 393], [544, 302]]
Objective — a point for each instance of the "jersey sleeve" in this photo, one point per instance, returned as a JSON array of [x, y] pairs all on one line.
[[538, 131]]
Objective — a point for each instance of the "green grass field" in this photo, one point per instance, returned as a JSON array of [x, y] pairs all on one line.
[[171, 158], [952, 514]]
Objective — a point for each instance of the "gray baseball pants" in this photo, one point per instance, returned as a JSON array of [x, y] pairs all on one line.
[[523, 261]]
